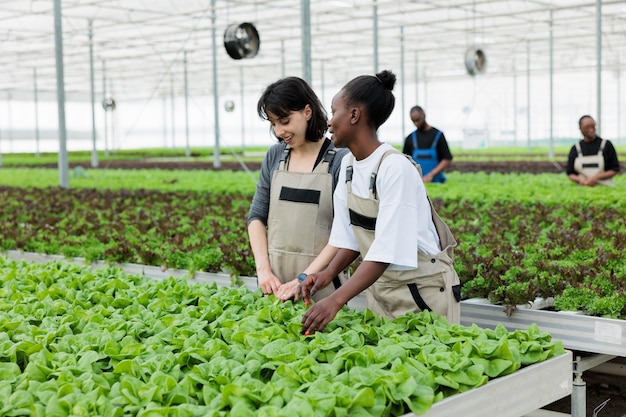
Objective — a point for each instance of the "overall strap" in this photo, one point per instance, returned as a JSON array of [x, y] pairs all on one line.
[[437, 136], [435, 217], [329, 157], [602, 144], [349, 172], [414, 137], [375, 172], [580, 152], [282, 165]]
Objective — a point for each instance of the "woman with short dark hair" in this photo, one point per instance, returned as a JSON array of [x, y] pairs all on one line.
[[291, 213]]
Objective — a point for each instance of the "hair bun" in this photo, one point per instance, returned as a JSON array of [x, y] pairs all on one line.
[[387, 79]]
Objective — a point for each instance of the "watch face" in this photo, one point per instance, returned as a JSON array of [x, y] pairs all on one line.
[[302, 277]]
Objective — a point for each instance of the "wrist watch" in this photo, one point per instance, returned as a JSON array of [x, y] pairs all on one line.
[[302, 277]]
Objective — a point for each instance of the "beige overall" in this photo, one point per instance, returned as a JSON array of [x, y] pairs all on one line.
[[300, 218], [434, 285], [590, 165]]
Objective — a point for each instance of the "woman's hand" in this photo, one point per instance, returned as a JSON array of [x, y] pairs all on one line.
[[267, 281], [428, 178], [287, 290]]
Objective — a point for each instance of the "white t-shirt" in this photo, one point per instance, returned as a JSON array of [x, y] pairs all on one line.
[[404, 221]]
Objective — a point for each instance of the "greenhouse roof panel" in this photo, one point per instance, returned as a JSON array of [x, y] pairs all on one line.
[[139, 46]]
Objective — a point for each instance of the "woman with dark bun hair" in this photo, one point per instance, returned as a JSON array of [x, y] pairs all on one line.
[[383, 213]]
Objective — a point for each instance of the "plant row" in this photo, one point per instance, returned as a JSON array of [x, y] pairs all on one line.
[[77, 342], [181, 230], [520, 236]]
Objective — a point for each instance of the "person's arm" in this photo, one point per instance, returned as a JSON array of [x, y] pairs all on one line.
[[324, 311], [289, 289], [267, 281], [319, 280], [570, 171], [441, 166], [322, 260], [395, 242], [611, 163], [578, 179], [590, 182], [257, 221], [605, 175]]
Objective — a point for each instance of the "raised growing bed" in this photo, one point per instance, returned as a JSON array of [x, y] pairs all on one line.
[[514, 395], [576, 330], [509, 395]]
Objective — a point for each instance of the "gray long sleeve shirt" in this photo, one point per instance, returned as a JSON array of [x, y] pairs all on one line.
[[260, 206]]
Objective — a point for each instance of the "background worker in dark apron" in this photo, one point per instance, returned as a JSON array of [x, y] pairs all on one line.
[[291, 213], [383, 213], [592, 160]]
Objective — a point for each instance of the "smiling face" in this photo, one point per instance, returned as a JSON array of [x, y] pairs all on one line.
[[340, 125], [588, 129], [292, 128]]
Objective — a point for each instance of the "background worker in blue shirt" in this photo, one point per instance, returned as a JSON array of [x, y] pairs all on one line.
[[428, 147]]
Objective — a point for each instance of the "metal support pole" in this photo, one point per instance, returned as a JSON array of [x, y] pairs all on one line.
[[106, 112], [579, 394], [599, 66], [425, 90], [10, 121], [173, 111], [515, 107], [619, 103], [164, 118], [323, 81], [551, 151], [417, 97], [58, 43], [187, 148], [36, 98], [282, 58], [528, 96], [94, 151], [579, 391], [241, 101], [402, 76], [216, 111], [375, 20], [305, 17], [115, 140]]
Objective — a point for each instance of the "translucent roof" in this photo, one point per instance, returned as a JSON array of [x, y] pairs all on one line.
[[139, 45]]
